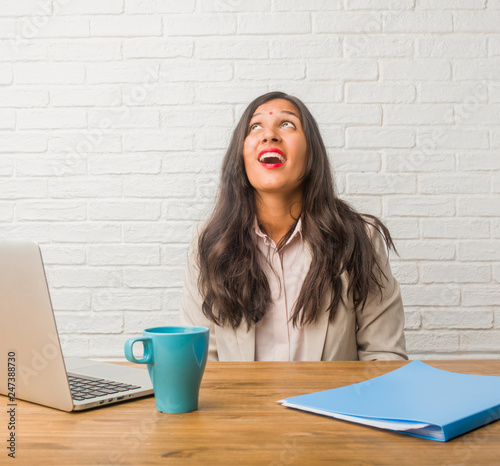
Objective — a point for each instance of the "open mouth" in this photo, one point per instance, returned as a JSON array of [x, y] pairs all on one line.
[[272, 157]]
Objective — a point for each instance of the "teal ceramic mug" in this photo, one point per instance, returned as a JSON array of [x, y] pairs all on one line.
[[176, 359]]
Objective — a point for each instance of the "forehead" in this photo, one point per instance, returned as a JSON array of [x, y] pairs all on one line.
[[276, 106]]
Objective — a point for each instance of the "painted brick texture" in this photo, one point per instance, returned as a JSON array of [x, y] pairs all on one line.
[[115, 115]]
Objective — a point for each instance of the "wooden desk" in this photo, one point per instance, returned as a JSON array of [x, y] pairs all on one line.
[[239, 423]]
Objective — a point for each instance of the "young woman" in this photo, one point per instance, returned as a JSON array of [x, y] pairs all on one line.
[[284, 269]]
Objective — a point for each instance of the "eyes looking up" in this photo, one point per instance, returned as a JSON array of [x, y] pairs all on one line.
[[284, 124]]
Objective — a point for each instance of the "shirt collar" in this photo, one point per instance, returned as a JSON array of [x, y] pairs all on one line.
[[267, 240]]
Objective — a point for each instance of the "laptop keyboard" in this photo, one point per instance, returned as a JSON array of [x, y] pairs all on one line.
[[85, 387]]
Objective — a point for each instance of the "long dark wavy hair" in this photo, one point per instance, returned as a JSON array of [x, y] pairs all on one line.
[[234, 287]]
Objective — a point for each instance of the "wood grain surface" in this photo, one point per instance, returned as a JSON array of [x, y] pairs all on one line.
[[239, 422]]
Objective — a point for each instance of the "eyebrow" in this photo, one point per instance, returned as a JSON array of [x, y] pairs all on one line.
[[289, 112]]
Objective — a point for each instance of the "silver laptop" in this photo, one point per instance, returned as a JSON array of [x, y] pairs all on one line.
[[32, 366]]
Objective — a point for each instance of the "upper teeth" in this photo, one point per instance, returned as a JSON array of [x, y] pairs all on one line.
[[267, 155]]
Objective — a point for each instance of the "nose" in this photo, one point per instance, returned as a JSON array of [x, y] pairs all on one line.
[[270, 135]]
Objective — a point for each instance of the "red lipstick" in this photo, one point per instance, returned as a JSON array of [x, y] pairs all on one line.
[[272, 158], [271, 166]]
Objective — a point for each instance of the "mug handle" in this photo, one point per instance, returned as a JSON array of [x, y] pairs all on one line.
[[148, 353]]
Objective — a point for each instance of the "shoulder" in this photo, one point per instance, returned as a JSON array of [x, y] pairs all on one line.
[[196, 232], [375, 230], [378, 235]]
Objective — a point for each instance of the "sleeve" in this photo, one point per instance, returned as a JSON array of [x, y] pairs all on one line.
[[380, 324], [190, 312]]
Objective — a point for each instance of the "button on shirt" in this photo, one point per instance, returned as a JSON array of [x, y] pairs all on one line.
[[276, 339]]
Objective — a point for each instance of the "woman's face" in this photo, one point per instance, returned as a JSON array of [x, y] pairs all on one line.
[[275, 149]]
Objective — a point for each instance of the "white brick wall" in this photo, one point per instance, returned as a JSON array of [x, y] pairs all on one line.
[[114, 117]]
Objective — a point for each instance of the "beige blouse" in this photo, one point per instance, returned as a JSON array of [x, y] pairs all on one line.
[[276, 339]]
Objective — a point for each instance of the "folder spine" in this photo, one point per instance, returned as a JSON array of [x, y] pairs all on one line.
[[471, 422]]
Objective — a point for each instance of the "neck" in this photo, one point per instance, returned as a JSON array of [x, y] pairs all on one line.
[[277, 214]]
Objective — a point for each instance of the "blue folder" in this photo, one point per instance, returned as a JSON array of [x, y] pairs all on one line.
[[416, 399]]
